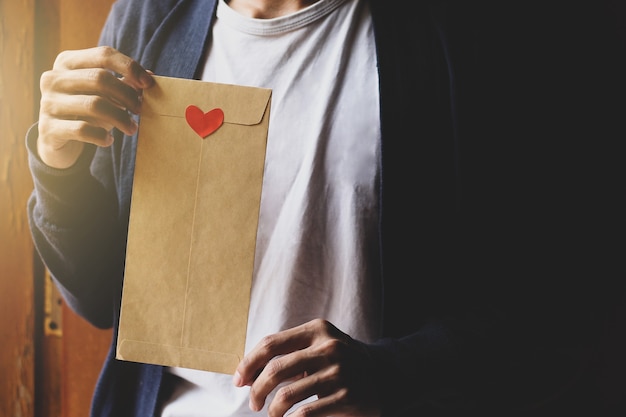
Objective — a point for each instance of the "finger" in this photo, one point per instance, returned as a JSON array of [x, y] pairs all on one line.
[[106, 58], [277, 344], [289, 367], [289, 395], [331, 396], [57, 134], [92, 81], [332, 405], [95, 110]]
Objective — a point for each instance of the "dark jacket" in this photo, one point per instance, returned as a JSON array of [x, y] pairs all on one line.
[[499, 178]]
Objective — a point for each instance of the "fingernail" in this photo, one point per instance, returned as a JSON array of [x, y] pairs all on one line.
[[139, 104], [237, 379], [133, 126], [146, 80], [253, 407], [109, 139]]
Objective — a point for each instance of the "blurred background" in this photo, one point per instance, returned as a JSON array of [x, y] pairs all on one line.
[[49, 358]]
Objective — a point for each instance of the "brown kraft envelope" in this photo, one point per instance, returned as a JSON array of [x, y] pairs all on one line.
[[193, 224]]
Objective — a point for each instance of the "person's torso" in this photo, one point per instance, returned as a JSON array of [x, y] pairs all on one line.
[[317, 244]]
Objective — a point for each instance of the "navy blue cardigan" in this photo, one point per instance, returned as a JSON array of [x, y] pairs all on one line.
[[487, 173]]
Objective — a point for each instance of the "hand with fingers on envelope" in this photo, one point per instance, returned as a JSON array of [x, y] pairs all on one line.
[[82, 100]]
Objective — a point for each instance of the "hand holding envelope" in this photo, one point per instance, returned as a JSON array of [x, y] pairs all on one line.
[[193, 223]]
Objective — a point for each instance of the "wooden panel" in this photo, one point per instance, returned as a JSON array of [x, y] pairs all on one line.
[[81, 21], [48, 346], [16, 270], [84, 349]]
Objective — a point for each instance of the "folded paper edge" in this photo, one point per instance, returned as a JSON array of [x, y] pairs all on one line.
[[257, 98], [177, 356]]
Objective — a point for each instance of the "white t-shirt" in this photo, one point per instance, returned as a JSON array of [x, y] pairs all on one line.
[[317, 252]]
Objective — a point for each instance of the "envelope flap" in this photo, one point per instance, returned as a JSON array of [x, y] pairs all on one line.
[[241, 105]]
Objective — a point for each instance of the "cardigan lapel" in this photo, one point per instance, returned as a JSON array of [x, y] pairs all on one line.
[[417, 186], [177, 47]]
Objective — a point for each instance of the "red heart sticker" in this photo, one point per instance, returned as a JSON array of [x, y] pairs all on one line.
[[204, 123]]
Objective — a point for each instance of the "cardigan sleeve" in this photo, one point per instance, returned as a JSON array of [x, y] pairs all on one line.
[[75, 227]]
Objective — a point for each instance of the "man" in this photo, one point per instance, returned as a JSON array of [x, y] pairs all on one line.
[[415, 253]]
